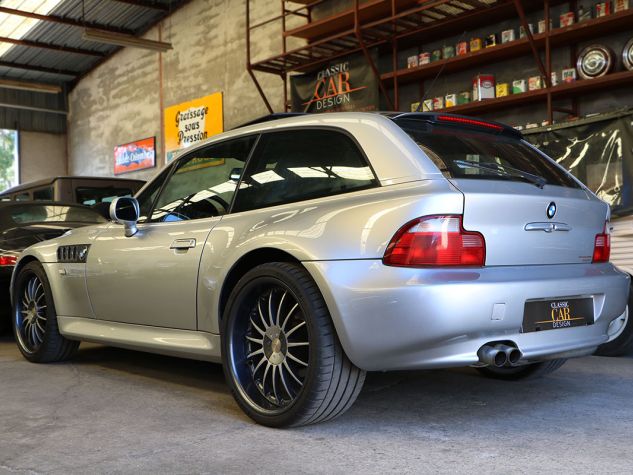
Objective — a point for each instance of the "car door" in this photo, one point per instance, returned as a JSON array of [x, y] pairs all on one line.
[[151, 278]]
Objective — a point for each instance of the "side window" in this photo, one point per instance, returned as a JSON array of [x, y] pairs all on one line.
[[43, 194], [26, 196], [300, 165], [204, 182], [148, 196]]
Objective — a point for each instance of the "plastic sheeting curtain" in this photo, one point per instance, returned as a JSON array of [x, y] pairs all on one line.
[[599, 153]]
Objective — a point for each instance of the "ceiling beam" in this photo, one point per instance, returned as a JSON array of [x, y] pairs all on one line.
[[7, 105], [64, 21], [39, 69], [30, 86], [147, 4], [51, 47], [176, 7]]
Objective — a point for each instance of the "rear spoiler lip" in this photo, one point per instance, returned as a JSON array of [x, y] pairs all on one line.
[[433, 118]]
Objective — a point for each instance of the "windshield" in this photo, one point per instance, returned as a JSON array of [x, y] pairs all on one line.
[[36, 213], [462, 153]]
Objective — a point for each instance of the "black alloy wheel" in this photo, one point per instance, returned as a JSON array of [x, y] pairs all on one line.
[[35, 320], [281, 356]]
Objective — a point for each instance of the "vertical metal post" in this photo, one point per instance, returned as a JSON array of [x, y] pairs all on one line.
[[284, 76], [161, 104], [248, 58], [537, 58], [573, 53], [368, 57], [394, 61], [548, 63]]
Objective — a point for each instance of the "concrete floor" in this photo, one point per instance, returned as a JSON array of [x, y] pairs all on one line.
[[117, 411]]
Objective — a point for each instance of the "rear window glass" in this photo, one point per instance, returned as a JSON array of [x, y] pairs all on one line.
[[463, 153], [43, 194], [27, 214], [92, 195]]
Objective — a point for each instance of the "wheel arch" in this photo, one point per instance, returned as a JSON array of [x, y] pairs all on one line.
[[19, 266], [245, 263]]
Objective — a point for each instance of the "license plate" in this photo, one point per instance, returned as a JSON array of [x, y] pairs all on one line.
[[539, 315]]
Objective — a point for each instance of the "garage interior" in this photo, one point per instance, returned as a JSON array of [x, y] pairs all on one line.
[[81, 79]]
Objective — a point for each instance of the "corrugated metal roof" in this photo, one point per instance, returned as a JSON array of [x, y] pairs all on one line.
[[44, 65]]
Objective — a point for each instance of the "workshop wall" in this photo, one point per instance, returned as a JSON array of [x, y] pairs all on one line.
[[121, 101]]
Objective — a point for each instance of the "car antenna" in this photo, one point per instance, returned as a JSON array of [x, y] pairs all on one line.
[[436, 76]]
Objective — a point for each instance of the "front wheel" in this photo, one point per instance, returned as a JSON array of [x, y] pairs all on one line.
[[35, 319], [528, 371], [281, 356]]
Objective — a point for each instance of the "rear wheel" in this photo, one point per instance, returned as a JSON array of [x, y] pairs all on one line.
[[281, 356], [620, 333], [528, 371], [35, 319]]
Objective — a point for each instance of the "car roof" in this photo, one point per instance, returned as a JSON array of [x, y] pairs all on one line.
[[9, 204], [49, 180], [432, 117]]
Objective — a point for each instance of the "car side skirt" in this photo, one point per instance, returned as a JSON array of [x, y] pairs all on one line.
[[165, 341]]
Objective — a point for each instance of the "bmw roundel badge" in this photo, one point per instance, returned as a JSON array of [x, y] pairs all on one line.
[[551, 210]]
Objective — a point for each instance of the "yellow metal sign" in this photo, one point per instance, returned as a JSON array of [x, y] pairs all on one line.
[[192, 122]]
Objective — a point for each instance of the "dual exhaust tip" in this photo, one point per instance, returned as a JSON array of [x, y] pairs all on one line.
[[499, 355]]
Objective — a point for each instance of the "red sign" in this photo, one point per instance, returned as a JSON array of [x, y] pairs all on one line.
[[134, 156]]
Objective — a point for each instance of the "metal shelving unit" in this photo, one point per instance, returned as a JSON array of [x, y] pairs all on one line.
[[391, 25]]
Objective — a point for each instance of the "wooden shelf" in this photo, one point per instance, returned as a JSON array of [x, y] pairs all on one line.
[[558, 37], [576, 88], [459, 63]]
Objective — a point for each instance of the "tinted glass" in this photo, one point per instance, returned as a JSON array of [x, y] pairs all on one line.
[[43, 194], [92, 195], [23, 196], [204, 182], [33, 213], [303, 164], [147, 197], [463, 153]]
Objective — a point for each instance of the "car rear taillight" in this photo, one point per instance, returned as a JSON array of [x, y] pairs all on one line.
[[602, 246], [435, 241], [7, 260]]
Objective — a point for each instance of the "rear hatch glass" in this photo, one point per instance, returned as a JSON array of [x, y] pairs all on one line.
[[464, 153]]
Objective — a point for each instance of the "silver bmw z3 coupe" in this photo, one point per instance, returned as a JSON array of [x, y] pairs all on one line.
[[302, 252]]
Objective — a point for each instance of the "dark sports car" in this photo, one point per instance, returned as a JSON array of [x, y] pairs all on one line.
[[26, 223]]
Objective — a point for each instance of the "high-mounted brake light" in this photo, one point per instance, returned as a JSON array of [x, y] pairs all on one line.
[[7, 260], [602, 246], [473, 122], [435, 241]]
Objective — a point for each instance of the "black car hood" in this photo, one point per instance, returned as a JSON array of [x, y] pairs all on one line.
[[20, 237]]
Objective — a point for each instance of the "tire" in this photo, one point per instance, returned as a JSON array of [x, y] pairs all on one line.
[[35, 320], [529, 371], [622, 344], [273, 308]]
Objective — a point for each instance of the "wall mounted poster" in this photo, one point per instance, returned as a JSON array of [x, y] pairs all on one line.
[[346, 84], [134, 156], [192, 122]]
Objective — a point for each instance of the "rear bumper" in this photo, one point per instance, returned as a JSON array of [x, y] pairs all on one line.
[[390, 318]]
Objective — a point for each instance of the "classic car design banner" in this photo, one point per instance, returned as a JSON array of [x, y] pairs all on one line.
[[192, 122], [346, 84], [598, 152], [134, 156]]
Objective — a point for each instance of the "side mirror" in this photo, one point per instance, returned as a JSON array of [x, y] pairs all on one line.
[[124, 210]]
